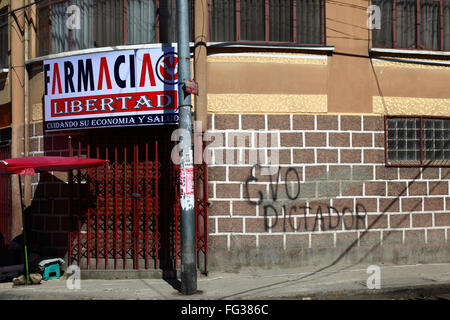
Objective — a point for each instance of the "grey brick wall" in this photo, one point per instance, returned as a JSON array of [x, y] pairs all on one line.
[[347, 197]]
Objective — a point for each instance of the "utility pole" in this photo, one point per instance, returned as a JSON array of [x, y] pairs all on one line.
[[17, 80], [188, 254]]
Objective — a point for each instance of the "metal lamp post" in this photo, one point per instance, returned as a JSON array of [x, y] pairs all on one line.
[[188, 260]]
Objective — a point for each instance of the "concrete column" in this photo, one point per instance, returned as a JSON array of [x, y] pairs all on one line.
[[29, 49], [200, 63], [32, 28], [349, 77], [17, 74]]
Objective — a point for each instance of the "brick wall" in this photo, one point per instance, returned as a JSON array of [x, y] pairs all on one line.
[[50, 192], [334, 201]]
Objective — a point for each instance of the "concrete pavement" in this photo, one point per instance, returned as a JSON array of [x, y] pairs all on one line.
[[336, 282]]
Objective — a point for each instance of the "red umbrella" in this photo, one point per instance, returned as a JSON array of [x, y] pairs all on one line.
[[31, 165]]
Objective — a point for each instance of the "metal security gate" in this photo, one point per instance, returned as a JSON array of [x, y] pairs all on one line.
[[5, 198], [125, 215]]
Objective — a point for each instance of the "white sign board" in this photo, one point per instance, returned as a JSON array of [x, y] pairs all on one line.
[[111, 89]]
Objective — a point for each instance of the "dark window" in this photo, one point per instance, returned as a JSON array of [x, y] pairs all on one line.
[[276, 21], [418, 141], [252, 16], [222, 20], [413, 24], [281, 21], [3, 39], [107, 23], [310, 21], [5, 136], [168, 21]]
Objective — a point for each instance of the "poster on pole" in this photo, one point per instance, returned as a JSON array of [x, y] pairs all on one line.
[[111, 89]]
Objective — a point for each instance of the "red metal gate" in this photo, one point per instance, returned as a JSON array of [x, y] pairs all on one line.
[[201, 215], [5, 198], [126, 215]]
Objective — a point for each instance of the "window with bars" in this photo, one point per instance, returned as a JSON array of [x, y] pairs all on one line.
[[422, 141], [107, 23], [3, 39], [413, 24], [274, 21]]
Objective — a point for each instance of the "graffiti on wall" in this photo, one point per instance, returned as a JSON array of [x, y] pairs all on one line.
[[284, 197]]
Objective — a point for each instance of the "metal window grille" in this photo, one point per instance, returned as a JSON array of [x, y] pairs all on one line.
[[107, 23], [417, 141], [413, 24], [268, 21]]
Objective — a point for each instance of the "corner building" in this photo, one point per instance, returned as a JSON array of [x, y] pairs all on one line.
[[327, 141]]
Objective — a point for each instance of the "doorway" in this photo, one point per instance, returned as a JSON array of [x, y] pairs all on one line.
[[125, 215]]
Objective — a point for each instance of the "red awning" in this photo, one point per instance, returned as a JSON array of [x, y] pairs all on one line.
[[30, 165]]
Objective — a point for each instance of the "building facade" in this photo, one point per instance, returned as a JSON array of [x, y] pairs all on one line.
[[324, 126]]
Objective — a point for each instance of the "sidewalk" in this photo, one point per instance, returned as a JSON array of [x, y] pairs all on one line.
[[337, 282]]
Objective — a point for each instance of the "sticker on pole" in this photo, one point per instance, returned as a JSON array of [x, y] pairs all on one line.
[[187, 187], [190, 86]]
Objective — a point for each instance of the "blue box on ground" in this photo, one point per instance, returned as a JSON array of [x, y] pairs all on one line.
[[51, 271]]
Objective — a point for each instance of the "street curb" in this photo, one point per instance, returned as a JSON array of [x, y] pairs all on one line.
[[128, 274], [404, 292], [394, 293]]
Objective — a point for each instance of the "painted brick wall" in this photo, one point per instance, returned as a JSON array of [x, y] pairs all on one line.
[[377, 213], [50, 192], [348, 205]]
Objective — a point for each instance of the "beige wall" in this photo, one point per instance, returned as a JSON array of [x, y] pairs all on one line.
[[36, 95], [3, 3], [349, 67], [5, 89], [413, 82], [282, 77], [296, 81], [349, 79], [5, 92], [349, 83]]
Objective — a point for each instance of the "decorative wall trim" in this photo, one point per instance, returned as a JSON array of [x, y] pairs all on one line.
[[267, 103]]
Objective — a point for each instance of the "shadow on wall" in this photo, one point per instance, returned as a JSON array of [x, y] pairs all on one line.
[[50, 216], [117, 202], [361, 244], [338, 255]]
